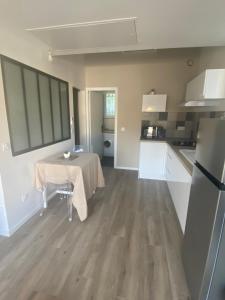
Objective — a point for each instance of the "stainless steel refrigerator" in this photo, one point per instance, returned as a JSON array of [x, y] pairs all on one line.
[[204, 240]]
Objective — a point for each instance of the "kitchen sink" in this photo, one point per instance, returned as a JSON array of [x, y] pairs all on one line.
[[189, 154]]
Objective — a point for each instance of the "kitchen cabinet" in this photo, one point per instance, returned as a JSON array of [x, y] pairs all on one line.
[[179, 184], [154, 103], [210, 84], [159, 161], [152, 160]]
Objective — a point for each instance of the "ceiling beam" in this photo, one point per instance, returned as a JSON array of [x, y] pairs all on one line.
[[128, 48], [101, 50]]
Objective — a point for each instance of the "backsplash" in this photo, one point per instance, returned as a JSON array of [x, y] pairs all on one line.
[[179, 124]]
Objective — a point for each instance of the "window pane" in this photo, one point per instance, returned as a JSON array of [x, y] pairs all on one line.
[[65, 110], [46, 109], [110, 105], [56, 110], [15, 105], [33, 110], [37, 107]]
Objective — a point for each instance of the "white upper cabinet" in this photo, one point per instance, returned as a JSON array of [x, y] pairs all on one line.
[[154, 103], [210, 84]]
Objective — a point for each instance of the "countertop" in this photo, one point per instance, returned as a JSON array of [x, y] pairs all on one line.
[[188, 166]]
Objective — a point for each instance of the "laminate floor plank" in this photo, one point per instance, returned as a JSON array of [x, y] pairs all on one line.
[[127, 249]]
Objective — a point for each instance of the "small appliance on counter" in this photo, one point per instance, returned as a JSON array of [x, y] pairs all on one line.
[[153, 132]]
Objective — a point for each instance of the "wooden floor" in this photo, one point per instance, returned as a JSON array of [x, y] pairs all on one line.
[[128, 248]]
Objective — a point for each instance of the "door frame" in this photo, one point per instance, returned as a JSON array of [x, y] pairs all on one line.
[[88, 112], [76, 116]]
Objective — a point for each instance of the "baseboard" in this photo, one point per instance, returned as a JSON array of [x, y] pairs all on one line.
[[22, 222], [4, 233], [12, 230], [126, 168]]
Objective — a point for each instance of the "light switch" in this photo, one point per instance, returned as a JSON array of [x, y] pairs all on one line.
[[122, 129], [5, 147]]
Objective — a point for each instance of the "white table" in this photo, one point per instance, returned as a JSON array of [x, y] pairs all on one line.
[[84, 172]]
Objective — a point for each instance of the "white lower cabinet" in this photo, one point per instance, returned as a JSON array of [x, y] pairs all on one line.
[[179, 183], [152, 160], [158, 161]]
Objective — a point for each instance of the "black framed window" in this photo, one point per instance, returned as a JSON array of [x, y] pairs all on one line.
[[37, 107]]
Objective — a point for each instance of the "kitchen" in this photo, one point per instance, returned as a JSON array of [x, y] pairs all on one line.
[[189, 155], [147, 223]]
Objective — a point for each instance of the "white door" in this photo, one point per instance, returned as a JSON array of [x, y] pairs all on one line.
[[96, 114]]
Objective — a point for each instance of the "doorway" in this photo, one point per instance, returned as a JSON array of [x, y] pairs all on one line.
[[102, 124]]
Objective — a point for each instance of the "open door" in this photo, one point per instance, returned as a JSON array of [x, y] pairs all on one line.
[[101, 123], [76, 116], [96, 115]]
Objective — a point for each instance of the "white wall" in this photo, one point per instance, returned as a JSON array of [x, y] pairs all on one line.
[[212, 58], [109, 123], [134, 75], [17, 172], [3, 218]]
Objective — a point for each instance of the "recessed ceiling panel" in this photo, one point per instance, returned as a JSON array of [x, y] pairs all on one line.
[[159, 23], [106, 33]]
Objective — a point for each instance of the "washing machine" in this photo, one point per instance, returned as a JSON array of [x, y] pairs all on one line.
[[108, 144]]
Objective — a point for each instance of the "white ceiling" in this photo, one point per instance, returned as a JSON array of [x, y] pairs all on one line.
[[159, 23], [108, 33]]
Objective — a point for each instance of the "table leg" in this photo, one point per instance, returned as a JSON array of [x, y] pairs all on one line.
[[44, 199], [70, 207]]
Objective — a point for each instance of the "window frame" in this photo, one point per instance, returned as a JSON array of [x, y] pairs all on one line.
[[23, 66]]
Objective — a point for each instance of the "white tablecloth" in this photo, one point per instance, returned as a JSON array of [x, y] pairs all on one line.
[[84, 172]]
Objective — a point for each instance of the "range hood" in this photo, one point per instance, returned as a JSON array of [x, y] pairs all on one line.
[[207, 89], [203, 103]]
